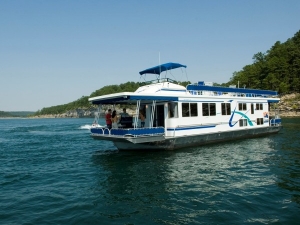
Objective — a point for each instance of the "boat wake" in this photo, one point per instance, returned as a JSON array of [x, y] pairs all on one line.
[[88, 127]]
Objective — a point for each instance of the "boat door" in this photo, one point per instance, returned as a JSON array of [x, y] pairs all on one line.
[[159, 120], [158, 115]]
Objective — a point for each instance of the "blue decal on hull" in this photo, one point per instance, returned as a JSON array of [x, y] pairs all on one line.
[[243, 116]]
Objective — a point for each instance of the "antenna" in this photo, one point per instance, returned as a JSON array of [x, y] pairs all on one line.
[[159, 65]]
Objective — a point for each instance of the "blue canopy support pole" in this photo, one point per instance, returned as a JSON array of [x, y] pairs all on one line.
[[159, 66]]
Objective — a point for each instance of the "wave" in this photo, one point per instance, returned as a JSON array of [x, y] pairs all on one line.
[[88, 127]]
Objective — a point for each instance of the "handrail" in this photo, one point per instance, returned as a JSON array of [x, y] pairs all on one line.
[[275, 122], [129, 131]]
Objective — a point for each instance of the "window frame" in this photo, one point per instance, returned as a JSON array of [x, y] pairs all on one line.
[[189, 109], [225, 109], [209, 109], [243, 122], [242, 106]]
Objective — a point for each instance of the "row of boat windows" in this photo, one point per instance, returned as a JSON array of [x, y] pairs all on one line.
[[208, 109], [244, 123]]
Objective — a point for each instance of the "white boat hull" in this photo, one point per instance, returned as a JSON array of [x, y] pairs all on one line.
[[171, 143]]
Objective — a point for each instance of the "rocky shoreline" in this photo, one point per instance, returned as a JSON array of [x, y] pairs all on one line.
[[287, 108]]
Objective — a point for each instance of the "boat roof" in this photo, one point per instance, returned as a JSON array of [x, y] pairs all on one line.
[[161, 68], [130, 97]]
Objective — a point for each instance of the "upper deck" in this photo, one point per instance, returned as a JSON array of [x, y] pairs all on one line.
[[209, 90]]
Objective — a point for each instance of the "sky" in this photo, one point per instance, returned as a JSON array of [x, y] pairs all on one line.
[[54, 52]]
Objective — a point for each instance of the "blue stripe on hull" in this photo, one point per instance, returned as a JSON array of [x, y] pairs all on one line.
[[190, 128]]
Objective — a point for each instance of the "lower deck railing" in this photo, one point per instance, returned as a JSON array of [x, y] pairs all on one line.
[[275, 122], [129, 131]]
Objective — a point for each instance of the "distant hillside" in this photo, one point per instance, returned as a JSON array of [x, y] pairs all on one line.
[[16, 114], [21, 113], [83, 103], [5, 114]]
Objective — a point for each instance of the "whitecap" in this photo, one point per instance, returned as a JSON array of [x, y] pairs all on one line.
[[88, 127]]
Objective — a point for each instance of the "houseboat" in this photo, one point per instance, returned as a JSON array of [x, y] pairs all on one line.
[[176, 116]]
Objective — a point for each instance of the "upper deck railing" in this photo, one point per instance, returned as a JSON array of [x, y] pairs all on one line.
[[160, 80], [201, 89]]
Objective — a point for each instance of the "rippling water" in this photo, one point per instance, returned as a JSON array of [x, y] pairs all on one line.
[[53, 172]]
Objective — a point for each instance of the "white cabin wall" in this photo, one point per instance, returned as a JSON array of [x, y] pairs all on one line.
[[221, 121]]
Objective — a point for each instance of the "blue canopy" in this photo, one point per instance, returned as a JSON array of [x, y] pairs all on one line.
[[162, 68]]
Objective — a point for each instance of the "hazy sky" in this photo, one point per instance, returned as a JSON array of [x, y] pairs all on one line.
[[54, 52]]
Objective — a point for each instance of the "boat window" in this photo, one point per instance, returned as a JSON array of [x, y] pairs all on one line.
[[226, 108], [185, 109], [205, 110], [242, 106], [208, 109], [259, 106], [173, 110], [243, 122], [189, 109], [194, 109], [252, 108], [260, 121], [212, 109]]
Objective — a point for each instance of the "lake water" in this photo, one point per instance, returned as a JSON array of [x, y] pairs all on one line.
[[53, 172]]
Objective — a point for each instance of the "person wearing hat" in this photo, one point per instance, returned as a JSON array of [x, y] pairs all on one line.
[[108, 119]]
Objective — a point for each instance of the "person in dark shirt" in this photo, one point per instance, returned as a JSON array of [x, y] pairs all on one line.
[[124, 113], [125, 119]]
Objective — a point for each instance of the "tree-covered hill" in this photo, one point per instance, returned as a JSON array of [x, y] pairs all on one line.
[[83, 103], [5, 114], [278, 69], [110, 89], [15, 114]]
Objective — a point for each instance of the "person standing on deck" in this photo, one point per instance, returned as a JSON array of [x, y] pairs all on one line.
[[124, 113], [108, 119], [114, 119], [142, 118]]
